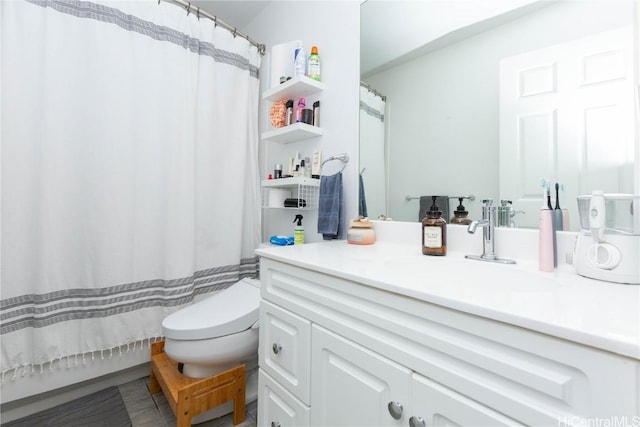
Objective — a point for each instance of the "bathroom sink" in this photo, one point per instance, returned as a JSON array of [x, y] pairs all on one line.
[[458, 271]]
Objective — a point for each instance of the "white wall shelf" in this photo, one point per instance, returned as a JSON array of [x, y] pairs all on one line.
[[297, 87], [291, 133], [304, 189], [291, 182]]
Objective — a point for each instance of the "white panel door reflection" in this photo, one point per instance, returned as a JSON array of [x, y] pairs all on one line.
[[566, 114]]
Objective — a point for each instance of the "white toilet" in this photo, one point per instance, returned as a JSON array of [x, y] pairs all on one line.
[[215, 334]]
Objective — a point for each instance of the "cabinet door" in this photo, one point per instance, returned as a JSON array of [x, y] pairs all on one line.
[[353, 386], [285, 345], [435, 405], [277, 407]]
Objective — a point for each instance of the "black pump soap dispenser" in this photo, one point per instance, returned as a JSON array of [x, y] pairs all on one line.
[[460, 214], [434, 232]]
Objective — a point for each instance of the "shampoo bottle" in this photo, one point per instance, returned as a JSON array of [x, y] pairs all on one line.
[[289, 120], [314, 64], [434, 232], [316, 113], [298, 231], [299, 61], [301, 104]]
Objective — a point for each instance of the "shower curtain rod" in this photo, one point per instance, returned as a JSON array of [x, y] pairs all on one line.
[[375, 92], [196, 9]]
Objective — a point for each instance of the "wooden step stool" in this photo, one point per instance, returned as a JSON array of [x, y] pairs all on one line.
[[189, 397]]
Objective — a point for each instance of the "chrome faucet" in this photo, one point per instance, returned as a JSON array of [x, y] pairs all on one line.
[[488, 223]]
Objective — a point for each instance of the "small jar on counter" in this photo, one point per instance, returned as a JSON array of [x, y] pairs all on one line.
[[361, 232]]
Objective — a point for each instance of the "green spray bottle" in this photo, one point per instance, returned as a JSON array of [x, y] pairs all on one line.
[[298, 231]]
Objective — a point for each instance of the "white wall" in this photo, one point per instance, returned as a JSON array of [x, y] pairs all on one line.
[[333, 26], [443, 107]]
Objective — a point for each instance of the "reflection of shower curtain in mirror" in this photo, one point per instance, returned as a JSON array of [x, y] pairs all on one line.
[[372, 152], [123, 124]]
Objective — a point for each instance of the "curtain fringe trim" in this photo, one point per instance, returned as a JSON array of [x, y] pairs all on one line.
[[74, 360]]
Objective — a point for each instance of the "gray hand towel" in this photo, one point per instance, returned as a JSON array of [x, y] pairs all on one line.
[[425, 204], [330, 206]]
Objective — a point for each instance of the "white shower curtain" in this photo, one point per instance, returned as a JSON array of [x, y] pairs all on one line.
[[129, 172], [372, 152]]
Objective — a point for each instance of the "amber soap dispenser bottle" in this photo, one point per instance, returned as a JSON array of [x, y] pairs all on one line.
[[434, 232]]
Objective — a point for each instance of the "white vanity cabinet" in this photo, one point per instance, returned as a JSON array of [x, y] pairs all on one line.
[[368, 356]]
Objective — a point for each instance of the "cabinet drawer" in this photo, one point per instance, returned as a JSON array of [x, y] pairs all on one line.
[[277, 407], [435, 405], [285, 348]]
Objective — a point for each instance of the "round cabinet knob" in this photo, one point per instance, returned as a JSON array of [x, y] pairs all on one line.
[[275, 424], [417, 422], [276, 348], [395, 410]]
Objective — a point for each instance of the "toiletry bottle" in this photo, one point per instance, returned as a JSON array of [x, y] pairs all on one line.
[[301, 105], [316, 113], [434, 232], [299, 61], [314, 64], [307, 169], [460, 214], [545, 230], [289, 113], [298, 230], [316, 163], [291, 166], [303, 170]]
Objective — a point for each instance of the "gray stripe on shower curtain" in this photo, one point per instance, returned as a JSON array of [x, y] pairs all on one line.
[[88, 10], [37, 311], [371, 111]]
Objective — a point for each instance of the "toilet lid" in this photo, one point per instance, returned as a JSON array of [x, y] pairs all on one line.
[[232, 310]]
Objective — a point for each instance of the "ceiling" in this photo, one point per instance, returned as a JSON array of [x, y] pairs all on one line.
[[238, 13], [392, 31], [396, 31]]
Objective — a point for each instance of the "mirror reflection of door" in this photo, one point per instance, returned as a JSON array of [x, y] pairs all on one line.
[[566, 114], [373, 199]]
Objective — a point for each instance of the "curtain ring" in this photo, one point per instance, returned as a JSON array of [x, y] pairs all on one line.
[[215, 22], [235, 32], [158, 2], [188, 8], [198, 13]]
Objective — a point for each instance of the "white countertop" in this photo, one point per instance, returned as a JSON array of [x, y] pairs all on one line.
[[563, 304]]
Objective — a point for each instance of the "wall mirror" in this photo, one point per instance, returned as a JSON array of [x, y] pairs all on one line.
[[486, 98]]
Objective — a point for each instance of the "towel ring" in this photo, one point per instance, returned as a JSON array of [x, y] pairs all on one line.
[[344, 158]]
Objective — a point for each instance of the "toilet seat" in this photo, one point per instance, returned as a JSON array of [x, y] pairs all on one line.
[[230, 311]]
